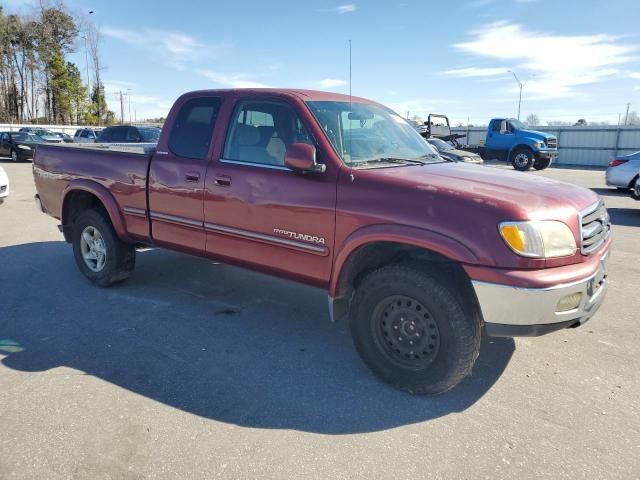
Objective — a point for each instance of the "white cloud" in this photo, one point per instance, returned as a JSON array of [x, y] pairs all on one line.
[[173, 47], [560, 62], [332, 83], [634, 75], [476, 72], [238, 80], [347, 8]]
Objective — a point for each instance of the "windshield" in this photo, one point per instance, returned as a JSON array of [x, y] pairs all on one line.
[[24, 137], [517, 125], [149, 134], [441, 145], [363, 133]]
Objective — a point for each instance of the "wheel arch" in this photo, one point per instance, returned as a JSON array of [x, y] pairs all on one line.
[[373, 247], [81, 195]]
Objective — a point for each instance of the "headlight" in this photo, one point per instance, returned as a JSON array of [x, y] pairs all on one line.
[[24, 147], [539, 238], [538, 144]]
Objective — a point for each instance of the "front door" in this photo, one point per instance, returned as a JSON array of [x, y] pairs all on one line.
[[258, 212], [177, 175]]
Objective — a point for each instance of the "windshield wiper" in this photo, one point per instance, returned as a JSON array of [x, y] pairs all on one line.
[[394, 160], [434, 156]]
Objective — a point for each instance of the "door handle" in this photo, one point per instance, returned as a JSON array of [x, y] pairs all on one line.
[[222, 180], [192, 176]]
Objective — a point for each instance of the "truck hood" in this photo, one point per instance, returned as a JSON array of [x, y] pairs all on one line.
[[522, 195], [535, 134]]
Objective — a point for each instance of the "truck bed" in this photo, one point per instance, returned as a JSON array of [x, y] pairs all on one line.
[[121, 170]]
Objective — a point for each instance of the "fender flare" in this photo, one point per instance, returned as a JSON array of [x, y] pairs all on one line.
[[105, 197], [402, 234], [523, 143]]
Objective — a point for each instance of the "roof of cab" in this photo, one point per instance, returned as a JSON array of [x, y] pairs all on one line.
[[290, 92]]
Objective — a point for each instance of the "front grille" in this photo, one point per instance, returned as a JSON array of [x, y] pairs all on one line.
[[552, 142], [595, 227]]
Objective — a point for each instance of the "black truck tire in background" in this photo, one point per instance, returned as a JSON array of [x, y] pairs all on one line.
[[120, 257], [414, 329], [522, 159], [542, 163]]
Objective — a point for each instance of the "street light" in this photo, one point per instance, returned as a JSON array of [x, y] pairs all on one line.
[[520, 86]]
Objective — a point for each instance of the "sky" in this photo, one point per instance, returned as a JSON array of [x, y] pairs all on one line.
[[576, 58]]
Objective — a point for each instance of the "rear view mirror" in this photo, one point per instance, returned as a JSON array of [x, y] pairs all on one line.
[[360, 116], [301, 157]]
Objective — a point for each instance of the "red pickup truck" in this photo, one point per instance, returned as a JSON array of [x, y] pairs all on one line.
[[420, 253]]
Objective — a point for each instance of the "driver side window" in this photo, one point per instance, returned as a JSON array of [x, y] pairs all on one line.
[[261, 132]]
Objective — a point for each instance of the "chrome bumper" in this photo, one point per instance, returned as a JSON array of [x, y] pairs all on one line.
[[512, 311]]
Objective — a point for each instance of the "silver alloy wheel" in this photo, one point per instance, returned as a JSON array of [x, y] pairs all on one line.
[[636, 188], [521, 160], [93, 248], [14, 156]]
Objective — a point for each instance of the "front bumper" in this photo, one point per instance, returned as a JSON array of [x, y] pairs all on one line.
[[513, 311], [552, 154]]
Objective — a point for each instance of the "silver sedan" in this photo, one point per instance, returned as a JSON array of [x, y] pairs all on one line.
[[623, 171]]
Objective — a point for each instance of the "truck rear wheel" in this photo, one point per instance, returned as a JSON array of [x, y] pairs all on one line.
[[100, 255], [542, 163], [522, 159], [413, 330]]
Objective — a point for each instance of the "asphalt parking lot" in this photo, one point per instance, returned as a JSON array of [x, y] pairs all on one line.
[[198, 370]]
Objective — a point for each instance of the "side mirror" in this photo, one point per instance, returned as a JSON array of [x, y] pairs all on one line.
[[301, 157]]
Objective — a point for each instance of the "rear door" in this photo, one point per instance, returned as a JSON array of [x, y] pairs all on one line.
[[4, 144], [176, 177]]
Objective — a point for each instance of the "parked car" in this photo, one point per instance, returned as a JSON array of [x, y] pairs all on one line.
[[449, 151], [129, 134], [511, 140], [86, 135], [65, 137], [623, 171], [4, 185], [420, 253], [47, 135], [18, 145]]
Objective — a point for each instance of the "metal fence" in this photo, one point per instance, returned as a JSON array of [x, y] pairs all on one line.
[[588, 146], [68, 129]]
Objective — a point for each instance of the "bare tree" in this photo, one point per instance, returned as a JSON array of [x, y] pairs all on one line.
[[532, 119]]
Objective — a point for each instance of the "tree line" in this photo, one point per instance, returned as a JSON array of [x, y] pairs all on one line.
[[38, 84]]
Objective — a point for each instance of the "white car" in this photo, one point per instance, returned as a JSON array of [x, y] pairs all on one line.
[[86, 135], [4, 185], [623, 171]]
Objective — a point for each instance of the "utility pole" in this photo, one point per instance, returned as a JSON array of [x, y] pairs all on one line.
[[121, 109], [129, 102], [626, 116]]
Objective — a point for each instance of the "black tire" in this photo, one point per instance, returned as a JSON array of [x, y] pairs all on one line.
[[119, 257], [522, 159], [14, 155], [542, 163], [421, 306]]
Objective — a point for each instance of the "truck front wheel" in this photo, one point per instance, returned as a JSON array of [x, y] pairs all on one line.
[[522, 159], [100, 255], [542, 163], [414, 330]]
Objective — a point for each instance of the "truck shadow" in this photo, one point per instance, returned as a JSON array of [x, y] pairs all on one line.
[[628, 217], [212, 340]]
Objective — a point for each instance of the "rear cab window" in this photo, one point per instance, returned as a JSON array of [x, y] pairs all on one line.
[[193, 127]]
